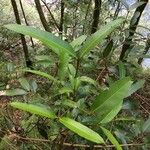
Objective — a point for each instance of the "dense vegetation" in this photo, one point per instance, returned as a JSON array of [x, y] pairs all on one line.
[[73, 75]]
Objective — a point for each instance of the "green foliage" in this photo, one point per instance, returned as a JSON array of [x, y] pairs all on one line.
[[81, 130], [48, 39], [111, 138], [38, 109], [108, 100], [72, 93], [98, 36]]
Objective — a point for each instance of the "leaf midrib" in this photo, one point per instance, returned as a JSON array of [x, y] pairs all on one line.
[[112, 95]]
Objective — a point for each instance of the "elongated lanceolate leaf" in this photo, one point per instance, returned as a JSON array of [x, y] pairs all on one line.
[[107, 100], [112, 113], [81, 130], [87, 79], [108, 49], [136, 86], [48, 39], [78, 41], [111, 138], [122, 70], [100, 35], [42, 74], [39, 109], [63, 65]]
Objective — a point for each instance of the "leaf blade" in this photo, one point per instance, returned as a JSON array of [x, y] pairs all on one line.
[[111, 138], [98, 36], [48, 39], [41, 110], [43, 74], [81, 130], [107, 100]]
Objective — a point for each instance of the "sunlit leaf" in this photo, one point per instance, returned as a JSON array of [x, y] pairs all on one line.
[[136, 86], [78, 41], [38, 109], [111, 138], [81, 130], [63, 65], [51, 41], [98, 36], [112, 113], [107, 100], [69, 103], [42, 74], [87, 79], [122, 70]]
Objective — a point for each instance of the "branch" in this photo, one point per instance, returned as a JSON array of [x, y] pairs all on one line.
[[78, 145]]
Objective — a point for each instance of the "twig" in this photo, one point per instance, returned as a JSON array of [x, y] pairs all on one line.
[[78, 145]]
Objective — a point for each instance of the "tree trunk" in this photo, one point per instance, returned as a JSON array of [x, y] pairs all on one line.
[[23, 12], [52, 16], [96, 14], [146, 49], [23, 41], [61, 17], [41, 15], [132, 28]]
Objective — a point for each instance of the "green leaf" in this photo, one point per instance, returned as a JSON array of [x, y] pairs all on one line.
[[100, 35], [43, 60], [42, 57], [108, 49], [65, 90], [15, 92], [136, 86], [88, 80], [107, 100], [44, 63], [63, 65], [122, 70], [24, 83], [48, 39], [81, 130], [69, 103], [33, 85], [42, 74], [72, 70], [112, 113], [146, 126], [10, 67], [39, 109], [111, 138], [78, 41]]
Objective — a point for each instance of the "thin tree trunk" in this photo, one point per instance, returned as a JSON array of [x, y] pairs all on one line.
[[23, 12], [61, 18], [117, 10], [41, 15], [86, 15], [146, 50], [52, 16], [23, 41], [132, 28], [96, 14]]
